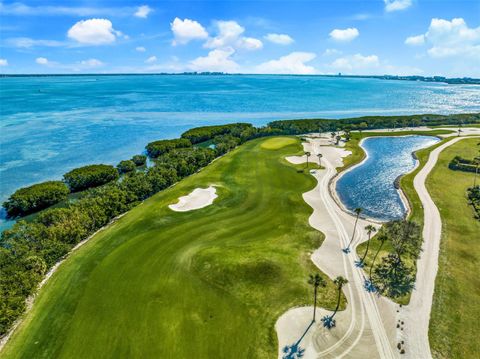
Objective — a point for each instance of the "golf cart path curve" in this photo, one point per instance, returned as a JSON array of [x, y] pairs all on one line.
[[366, 327], [417, 314]]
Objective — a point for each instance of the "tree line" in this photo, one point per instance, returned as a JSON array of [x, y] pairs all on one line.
[[30, 248], [39, 196], [372, 122]]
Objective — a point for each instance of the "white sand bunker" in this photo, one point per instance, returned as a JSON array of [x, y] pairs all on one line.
[[198, 198]]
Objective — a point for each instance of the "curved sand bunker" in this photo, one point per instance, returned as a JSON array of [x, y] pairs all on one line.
[[367, 327], [371, 326], [198, 198]]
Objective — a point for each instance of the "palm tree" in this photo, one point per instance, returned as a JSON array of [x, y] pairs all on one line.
[[328, 321], [320, 159], [316, 281], [333, 135], [370, 229], [369, 286], [357, 211], [308, 155], [338, 138]]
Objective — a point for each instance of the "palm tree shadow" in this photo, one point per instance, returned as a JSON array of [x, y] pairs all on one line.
[[294, 351]]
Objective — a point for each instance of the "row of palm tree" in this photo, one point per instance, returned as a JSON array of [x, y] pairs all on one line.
[[370, 229], [392, 276], [317, 281], [308, 154]]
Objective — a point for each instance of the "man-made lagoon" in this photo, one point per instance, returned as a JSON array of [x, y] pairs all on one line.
[[370, 185]]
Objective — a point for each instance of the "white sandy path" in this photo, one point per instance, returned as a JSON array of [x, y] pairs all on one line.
[[367, 327], [198, 198], [417, 314]]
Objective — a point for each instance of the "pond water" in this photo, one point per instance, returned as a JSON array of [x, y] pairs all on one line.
[[371, 184]]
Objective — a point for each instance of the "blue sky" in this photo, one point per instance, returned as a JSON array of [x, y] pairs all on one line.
[[302, 37]]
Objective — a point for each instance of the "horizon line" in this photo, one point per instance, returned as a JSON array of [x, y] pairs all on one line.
[[213, 73]]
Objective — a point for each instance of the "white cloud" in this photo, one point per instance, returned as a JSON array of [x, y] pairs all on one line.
[[356, 62], [41, 61], [280, 39], [140, 49], [449, 39], [249, 43], [151, 60], [229, 36], [186, 30], [3, 62], [91, 63], [228, 33], [143, 11], [21, 9], [294, 63], [26, 42], [415, 40], [93, 32], [217, 60], [331, 52], [344, 35], [395, 5], [453, 38]]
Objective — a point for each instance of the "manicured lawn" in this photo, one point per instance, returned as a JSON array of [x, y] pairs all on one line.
[[406, 183], [454, 325], [209, 283], [278, 142]]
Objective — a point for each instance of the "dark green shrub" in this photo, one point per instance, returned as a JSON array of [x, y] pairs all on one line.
[[205, 133], [90, 176], [126, 166], [139, 160], [461, 164], [157, 148], [34, 198]]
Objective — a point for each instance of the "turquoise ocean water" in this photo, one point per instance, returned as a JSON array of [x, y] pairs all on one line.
[[50, 125]]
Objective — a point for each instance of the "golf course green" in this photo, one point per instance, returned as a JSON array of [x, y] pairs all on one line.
[[208, 283]]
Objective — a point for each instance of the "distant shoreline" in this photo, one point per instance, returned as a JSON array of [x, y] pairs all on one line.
[[434, 79]]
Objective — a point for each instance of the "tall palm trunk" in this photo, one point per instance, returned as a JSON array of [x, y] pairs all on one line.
[[374, 259], [366, 251], [354, 229], [338, 301], [314, 302]]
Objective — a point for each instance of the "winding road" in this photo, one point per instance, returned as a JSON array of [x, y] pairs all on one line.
[[417, 314]]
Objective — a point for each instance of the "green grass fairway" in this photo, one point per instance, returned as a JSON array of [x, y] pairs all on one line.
[[278, 142], [454, 325], [209, 283]]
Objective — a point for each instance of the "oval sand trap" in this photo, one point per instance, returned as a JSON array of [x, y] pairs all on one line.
[[198, 198], [277, 143]]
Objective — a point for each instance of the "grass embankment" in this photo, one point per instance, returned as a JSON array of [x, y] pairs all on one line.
[[406, 183], [454, 328], [209, 283]]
